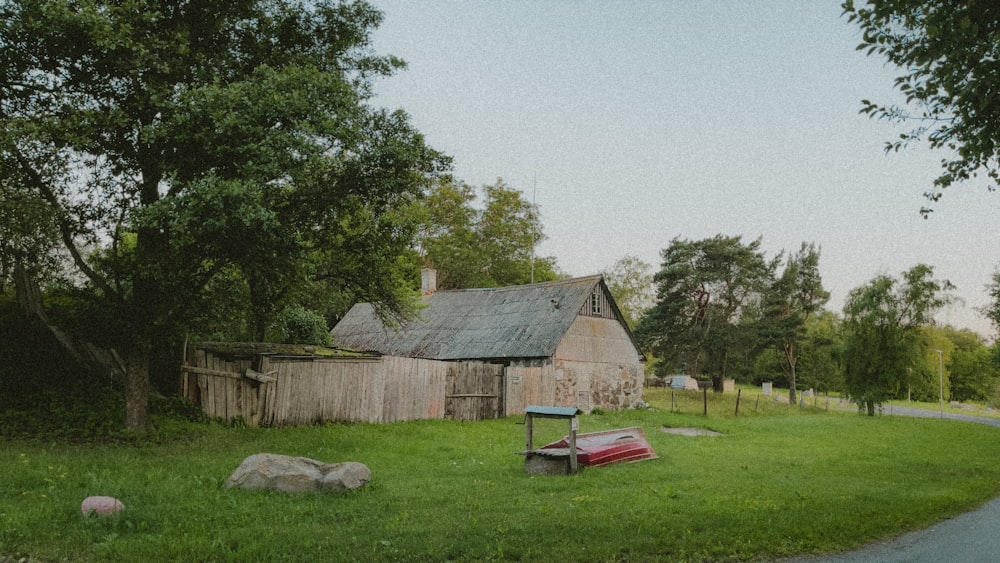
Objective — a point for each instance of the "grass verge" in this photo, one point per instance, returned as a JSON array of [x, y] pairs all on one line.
[[781, 481]]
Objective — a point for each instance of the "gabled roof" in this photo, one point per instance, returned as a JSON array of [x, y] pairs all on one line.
[[525, 321]]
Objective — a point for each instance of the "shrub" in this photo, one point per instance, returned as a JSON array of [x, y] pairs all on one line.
[[298, 325]]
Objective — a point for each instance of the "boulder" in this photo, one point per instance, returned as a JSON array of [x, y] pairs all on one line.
[[101, 506], [345, 476], [297, 474]]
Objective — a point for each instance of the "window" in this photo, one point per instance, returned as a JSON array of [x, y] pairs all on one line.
[[596, 303]]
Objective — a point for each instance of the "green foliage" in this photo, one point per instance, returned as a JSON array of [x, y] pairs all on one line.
[[793, 299], [767, 365], [946, 52], [820, 363], [448, 237], [630, 281], [707, 292], [491, 246], [227, 139], [298, 325], [929, 371], [28, 232], [992, 309], [970, 372], [46, 394], [883, 343]]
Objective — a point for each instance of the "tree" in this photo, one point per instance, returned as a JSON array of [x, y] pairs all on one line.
[[882, 320], [217, 135], [970, 370], [821, 353], [928, 377], [705, 291], [992, 309], [448, 236], [794, 298], [631, 282], [489, 247], [947, 52], [27, 240]]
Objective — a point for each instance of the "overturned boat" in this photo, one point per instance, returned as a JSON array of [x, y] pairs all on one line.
[[595, 449]]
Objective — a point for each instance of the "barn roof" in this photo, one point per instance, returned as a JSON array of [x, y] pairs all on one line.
[[525, 321]]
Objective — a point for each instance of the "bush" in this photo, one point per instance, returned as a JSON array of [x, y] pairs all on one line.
[[298, 325]]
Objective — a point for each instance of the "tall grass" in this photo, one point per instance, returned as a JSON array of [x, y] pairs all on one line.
[[781, 481]]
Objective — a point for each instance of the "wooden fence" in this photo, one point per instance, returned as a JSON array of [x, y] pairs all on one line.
[[279, 389]]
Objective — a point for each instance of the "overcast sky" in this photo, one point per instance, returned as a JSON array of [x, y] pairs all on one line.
[[634, 122]]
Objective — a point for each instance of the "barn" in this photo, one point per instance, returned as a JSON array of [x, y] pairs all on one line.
[[561, 343]]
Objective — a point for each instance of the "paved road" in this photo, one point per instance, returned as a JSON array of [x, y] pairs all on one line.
[[970, 538]]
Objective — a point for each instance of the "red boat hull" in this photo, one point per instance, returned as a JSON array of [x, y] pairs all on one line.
[[594, 449]]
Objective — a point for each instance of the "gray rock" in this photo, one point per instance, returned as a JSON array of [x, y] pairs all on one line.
[[297, 474], [345, 476]]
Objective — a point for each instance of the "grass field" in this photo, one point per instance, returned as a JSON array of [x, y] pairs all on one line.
[[781, 481]]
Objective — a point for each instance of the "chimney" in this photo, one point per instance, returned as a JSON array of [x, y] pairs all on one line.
[[428, 281]]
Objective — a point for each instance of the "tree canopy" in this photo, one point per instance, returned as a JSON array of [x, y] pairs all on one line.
[[487, 245], [703, 290], [992, 309], [947, 52], [189, 139], [631, 283], [882, 320], [795, 297]]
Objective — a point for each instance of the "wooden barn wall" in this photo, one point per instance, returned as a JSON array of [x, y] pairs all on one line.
[[530, 382], [307, 390], [597, 366], [597, 340]]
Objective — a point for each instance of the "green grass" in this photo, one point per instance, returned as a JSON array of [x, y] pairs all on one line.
[[782, 481]]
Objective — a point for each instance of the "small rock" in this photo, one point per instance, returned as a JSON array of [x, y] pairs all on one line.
[[102, 506]]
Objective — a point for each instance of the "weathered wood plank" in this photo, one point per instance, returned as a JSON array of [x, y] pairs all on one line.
[[266, 389], [213, 372], [262, 377], [203, 400]]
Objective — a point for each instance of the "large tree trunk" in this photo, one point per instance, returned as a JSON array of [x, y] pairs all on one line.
[[719, 381], [147, 312], [718, 384], [29, 296], [790, 358], [137, 416]]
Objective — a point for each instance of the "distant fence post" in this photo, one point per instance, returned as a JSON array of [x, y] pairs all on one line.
[[738, 393], [704, 393]]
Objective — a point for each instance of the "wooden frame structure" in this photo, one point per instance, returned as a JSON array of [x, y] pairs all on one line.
[[550, 460]]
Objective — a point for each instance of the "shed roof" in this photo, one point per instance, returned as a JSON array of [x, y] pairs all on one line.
[[525, 321]]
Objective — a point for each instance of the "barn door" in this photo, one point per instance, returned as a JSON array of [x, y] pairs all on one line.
[[474, 391]]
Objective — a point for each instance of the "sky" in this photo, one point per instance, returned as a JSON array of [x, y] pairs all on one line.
[[631, 123]]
